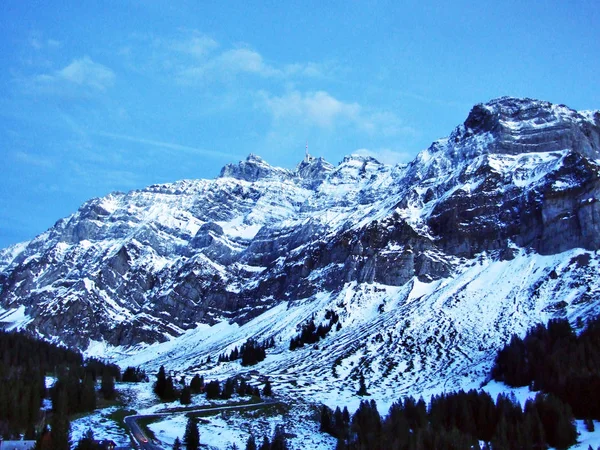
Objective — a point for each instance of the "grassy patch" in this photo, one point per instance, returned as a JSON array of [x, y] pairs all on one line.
[[102, 403], [118, 417], [252, 401], [250, 410]]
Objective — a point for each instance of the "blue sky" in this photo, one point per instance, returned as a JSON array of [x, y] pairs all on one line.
[[117, 95]]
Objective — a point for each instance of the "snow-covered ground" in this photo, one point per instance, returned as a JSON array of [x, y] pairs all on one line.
[[223, 429]]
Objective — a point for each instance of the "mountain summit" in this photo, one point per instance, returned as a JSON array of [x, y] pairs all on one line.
[[431, 264]]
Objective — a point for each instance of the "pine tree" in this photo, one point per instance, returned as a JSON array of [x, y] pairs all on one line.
[[87, 442], [191, 438], [362, 388], [170, 394], [279, 441], [266, 445], [60, 425], [228, 388], [197, 384], [177, 444], [212, 389], [161, 382], [267, 390], [251, 444], [186, 396], [366, 425], [108, 386], [326, 425], [346, 415]]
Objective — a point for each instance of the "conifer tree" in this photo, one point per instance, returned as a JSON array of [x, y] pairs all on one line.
[[161, 382], [279, 441], [87, 442], [197, 384], [177, 444], [241, 388], [255, 392], [107, 387], [228, 388], [170, 394], [326, 425], [60, 425], [266, 445], [251, 443], [267, 390], [191, 438], [346, 415], [186, 396], [212, 389], [362, 388], [366, 425]]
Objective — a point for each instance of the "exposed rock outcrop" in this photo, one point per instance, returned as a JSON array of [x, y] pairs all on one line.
[[149, 264]]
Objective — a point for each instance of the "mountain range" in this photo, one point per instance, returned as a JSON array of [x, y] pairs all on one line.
[[430, 266]]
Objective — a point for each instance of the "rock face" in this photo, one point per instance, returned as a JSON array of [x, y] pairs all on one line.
[[150, 264]]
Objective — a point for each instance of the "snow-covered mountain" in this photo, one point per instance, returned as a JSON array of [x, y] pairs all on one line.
[[430, 265]]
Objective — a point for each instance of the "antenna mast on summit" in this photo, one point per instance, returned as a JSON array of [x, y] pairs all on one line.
[[306, 153]]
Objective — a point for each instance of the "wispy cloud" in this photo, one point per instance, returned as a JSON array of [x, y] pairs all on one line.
[[194, 58], [237, 62], [318, 108], [229, 64], [165, 145], [85, 72], [82, 76], [195, 44], [33, 160], [38, 43], [323, 110]]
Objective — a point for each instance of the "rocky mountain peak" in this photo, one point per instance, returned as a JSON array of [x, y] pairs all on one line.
[[515, 126], [517, 175], [253, 169], [313, 171]]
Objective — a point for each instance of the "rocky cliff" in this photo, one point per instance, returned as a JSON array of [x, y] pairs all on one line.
[[520, 176]]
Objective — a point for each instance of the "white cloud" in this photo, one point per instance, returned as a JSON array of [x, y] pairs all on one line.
[[196, 58], [81, 73], [196, 45], [318, 108], [323, 110], [310, 69], [243, 60], [86, 72], [230, 63]]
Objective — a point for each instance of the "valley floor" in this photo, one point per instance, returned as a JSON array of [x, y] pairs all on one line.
[[227, 428]]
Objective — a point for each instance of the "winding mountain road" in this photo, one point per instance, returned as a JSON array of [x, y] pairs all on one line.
[[146, 443]]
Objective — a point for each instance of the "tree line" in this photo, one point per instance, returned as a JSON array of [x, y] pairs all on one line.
[[25, 361], [311, 333], [460, 420], [251, 352], [166, 389], [563, 366], [557, 360]]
